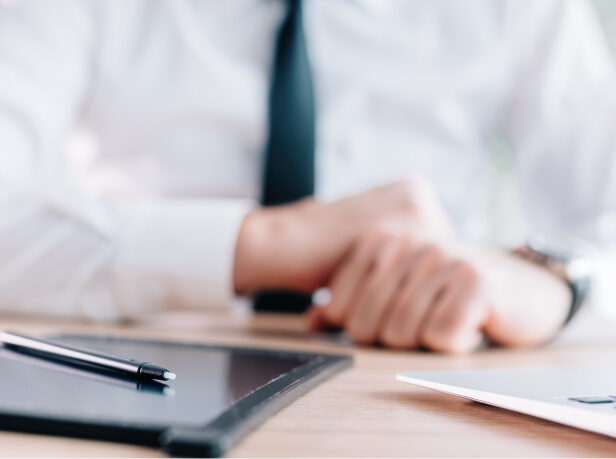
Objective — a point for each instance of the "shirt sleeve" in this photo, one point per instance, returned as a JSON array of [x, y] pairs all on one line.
[[562, 127], [62, 253]]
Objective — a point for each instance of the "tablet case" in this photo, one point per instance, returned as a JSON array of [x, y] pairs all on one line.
[[209, 440]]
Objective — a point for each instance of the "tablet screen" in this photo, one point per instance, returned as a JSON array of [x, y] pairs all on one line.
[[209, 381]]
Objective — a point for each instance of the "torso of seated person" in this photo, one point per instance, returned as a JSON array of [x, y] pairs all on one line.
[[169, 101], [174, 97]]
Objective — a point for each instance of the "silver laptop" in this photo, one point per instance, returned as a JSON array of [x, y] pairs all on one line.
[[582, 397]]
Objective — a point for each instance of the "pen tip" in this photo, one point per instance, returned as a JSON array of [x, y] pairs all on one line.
[[168, 375]]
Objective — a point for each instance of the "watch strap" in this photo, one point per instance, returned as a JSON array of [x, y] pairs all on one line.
[[579, 291]]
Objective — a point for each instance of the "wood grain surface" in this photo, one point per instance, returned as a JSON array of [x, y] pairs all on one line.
[[363, 412]]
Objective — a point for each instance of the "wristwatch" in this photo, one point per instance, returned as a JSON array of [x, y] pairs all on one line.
[[573, 268]]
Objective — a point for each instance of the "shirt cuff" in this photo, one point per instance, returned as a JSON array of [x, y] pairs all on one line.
[[177, 253]]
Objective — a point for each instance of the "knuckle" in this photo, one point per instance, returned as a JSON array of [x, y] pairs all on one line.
[[413, 186], [406, 192], [383, 259], [407, 242], [367, 243], [466, 271], [368, 238], [472, 275], [392, 254], [406, 250], [424, 191], [406, 187], [413, 191], [379, 232], [433, 254]]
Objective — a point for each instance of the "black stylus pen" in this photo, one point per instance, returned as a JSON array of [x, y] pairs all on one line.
[[83, 357]]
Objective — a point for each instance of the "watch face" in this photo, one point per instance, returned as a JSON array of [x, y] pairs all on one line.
[[565, 263]]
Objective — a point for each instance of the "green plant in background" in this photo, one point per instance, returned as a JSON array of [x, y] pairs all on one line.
[[606, 10]]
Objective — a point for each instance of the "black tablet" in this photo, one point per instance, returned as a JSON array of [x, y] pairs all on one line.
[[220, 393]]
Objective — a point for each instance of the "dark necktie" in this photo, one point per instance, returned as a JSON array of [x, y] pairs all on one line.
[[289, 155]]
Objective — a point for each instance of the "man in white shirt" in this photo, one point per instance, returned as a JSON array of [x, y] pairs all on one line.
[[157, 207]]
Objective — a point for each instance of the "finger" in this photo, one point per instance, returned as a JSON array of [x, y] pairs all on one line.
[[425, 279], [315, 319], [317, 322], [376, 291], [461, 337], [348, 276], [454, 323]]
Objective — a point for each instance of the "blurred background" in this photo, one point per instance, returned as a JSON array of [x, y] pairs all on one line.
[[607, 16], [509, 219]]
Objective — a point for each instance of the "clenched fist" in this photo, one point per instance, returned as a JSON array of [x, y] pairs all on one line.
[[407, 293], [404, 293]]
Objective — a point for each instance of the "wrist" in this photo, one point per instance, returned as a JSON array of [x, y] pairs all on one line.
[[268, 247], [258, 230], [529, 303], [570, 266]]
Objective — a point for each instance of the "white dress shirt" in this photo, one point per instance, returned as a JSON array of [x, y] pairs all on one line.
[[132, 133]]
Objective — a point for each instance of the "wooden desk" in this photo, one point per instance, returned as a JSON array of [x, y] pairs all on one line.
[[361, 412]]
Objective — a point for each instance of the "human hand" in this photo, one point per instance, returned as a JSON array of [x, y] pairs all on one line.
[[406, 293]]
